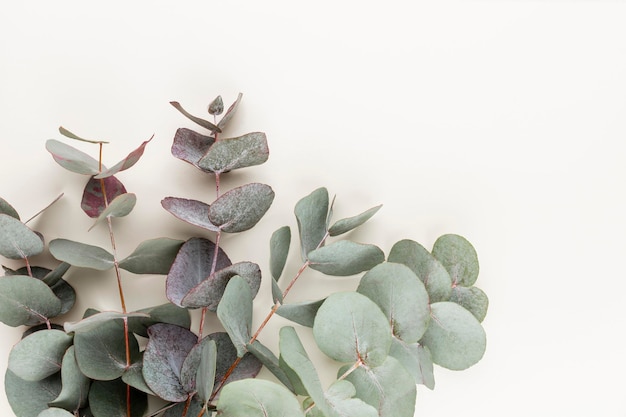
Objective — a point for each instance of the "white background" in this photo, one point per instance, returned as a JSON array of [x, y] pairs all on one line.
[[502, 121]]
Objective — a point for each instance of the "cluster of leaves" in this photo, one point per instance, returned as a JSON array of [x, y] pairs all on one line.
[[412, 309]]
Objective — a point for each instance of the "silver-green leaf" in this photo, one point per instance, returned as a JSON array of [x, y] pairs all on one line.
[[26, 301], [459, 258], [81, 254], [154, 256], [312, 214], [473, 299], [235, 313], [39, 354], [72, 159], [345, 258], [234, 153], [121, 206], [18, 241], [345, 225], [241, 208], [75, 384], [257, 398]]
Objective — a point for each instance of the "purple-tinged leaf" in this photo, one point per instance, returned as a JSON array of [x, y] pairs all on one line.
[[204, 123], [72, 159], [168, 346], [217, 106], [81, 254], [154, 256], [249, 367], [121, 206], [230, 112], [17, 241], [234, 153], [193, 264], [241, 208], [125, 163], [190, 146], [191, 211], [71, 135], [26, 301], [6, 208], [210, 291], [93, 202]]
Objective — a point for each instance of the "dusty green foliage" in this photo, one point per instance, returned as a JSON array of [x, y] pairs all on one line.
[[409, 310]]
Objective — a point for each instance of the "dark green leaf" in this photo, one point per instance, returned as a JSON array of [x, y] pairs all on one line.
[[473, 299], [401, 296], [459, 258], [26, 301], [6, 208], [72, 159], [29, 398], [39, 355], [248, 367], [204, 123], [230, 112], [66, 294], [108, 399], [93, 202], [134, 377], [154, 256], [455, 338], [349, 327], [191, 211], [81, 254], [302, 313], [241, 208], [75, 385], [17, 241], [235, 312], [54, 276], [257, 398], [234, 153], [311, 215], [125, 163], [181, 410], [345, 225], [432, 273], [344, 258]]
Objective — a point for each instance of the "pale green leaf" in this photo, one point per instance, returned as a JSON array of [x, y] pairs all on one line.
[[233, 153], [71, 135], [81, 254], [345, 257], [75, 385], [26, 301], [302, 312], [39, 354], [164, 313], [121, 206], [459, 258], [235, 313], [257, 398], [279, 249], [455, 337], [6, 208], [205, 376], [311, 215], [345, 225], [416, 359], [17, 241], [350, 327], [72, 159], [154, 256], [270, 361], [55, 412], [341, 403], [241, 208], [473, 299], [96, 320]]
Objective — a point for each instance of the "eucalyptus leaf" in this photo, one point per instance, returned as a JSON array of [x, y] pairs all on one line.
[[279, 249], [235, 153], [134, 377], [81, 254], [204, 123], [72, 159], [432, 273], [74, 136], [125, 163], [459, 258], [401, 296], [230, 112], [181, 410], [388, 388], [29, 398], [96, 320], [235, 313], [73, 395], [345, 257], [209, 292], [39, 355], [249, 366], [121, 206], [6, 208], [193, 264], [94, 202], [241, 208], [257, 398], [271, 362], [190, 146], [18, 241], [153, 256], [52, 277], [164, 313], [416, 359], [191, 211], [345, 225], [341, 403], [302, 312], [108, 399], [26, 301], [205, 374], [312, 214], [349, 327], [455, 337], [66, 294], [473, 299], [168, 346], [55, 412], [216, 107], [101, 352]]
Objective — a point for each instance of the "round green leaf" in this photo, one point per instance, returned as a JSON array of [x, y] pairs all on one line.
[[257, 398], [72, 159], [108, 399], [81, 254], [17, 241], [75, 385], [345, 257], [455, 337], [6, 208], [55, 412], [349, 327], [154, 256], [312, 214], [29, 398], [459, 258], [234, 153], [26, 301], [39, 355], [432, 273], [473, 299], [401, 296], [241, 208]]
